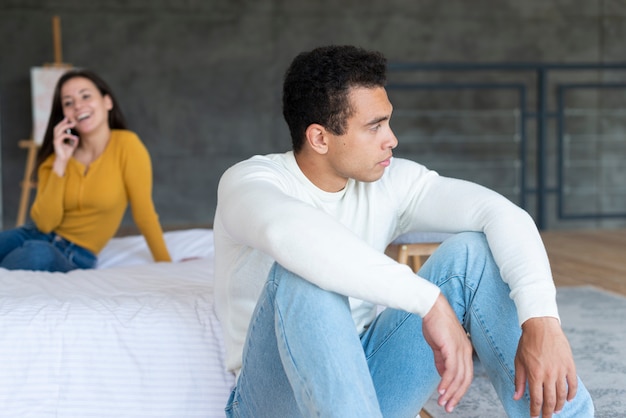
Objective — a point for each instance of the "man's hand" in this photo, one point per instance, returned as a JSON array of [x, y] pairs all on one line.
[[544, 359], [452, 350]]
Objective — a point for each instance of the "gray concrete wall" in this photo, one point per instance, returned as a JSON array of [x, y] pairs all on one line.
[[200, 80]]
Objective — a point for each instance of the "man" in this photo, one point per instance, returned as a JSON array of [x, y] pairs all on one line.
[[300, 270]]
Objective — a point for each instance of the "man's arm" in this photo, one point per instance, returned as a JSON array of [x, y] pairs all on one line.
[[450, 205], [257, 210], [544, 358]]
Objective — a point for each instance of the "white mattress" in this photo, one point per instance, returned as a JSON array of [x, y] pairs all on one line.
[[132, 338]]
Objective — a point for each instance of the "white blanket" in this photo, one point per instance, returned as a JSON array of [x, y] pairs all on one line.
[[132, 338]]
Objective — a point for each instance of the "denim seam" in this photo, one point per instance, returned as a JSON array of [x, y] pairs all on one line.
[[388, 335], [475, 313], [466, 301], [303, 384]]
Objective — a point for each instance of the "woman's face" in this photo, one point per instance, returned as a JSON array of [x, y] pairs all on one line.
[[83, 104]]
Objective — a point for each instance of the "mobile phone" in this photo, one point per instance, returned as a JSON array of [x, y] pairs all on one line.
[[71, 131]]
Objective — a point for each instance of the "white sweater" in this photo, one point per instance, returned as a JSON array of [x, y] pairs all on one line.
[[269, 211]]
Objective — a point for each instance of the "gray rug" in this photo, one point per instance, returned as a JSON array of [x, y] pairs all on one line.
[[595, 323]]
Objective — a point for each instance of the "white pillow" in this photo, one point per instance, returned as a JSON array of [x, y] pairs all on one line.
[[132, 250]]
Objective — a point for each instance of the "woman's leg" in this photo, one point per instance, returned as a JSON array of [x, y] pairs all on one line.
[[37, 255], [14, 238], [27, 248], [302, 356]]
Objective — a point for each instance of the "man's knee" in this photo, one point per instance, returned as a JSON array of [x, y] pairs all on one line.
[[280, 276], [288, 286], [474, 243], [469, 238]]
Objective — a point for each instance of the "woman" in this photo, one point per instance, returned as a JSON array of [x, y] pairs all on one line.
[[89, 168]]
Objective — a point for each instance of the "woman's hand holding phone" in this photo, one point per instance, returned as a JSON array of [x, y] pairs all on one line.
[[65, 136], [70, 141], [65, 143]]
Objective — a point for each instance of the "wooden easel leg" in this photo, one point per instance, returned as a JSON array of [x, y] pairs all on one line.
[[27, 183]]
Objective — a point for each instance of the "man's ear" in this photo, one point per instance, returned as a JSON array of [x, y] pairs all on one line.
[[316, 138]]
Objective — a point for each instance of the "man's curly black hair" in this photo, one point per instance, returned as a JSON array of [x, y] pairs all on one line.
[[317, 85]]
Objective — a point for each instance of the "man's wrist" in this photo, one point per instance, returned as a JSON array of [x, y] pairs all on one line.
[[541, 321]]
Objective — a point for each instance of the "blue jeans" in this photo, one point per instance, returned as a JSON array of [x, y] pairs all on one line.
[[27, 248], [304, 358]]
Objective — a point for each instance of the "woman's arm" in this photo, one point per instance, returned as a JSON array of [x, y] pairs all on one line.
[[138, 181], [47, 209]]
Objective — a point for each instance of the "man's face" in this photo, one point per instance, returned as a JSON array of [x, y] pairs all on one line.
[[365, 150]]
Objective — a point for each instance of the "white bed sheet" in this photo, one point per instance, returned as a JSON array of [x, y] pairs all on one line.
[[129, 339]]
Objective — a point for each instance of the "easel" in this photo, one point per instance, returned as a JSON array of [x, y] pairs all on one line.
[[29, 144]]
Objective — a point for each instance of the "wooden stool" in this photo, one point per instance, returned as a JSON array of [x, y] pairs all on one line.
[[413, 255]]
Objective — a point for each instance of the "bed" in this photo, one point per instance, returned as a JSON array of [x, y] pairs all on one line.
[[131, 338]]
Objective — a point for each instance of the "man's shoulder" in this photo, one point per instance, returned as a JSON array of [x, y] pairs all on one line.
[[403, 177], [403, 166], [271, 167], [265, 159], [267, 162]]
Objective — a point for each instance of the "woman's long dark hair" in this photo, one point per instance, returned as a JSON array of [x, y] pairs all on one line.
[[116, 117]]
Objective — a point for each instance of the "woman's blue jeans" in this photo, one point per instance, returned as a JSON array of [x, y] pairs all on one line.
[[27, 248], [304, 358]]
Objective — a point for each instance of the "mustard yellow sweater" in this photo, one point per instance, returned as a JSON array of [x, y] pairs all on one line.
[[87, 207]]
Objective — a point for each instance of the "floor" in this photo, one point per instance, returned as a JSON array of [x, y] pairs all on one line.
[[588, 257]]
